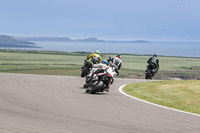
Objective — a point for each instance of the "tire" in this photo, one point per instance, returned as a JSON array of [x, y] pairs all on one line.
[[94, 89], [87, 81], [102, 87], [148, 74], [85, 86], [84, 71]]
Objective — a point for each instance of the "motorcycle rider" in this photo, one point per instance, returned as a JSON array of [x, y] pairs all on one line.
[[155, 61], [96, 68], [95, 57], [115, 63], [116, 60], [101, 68]]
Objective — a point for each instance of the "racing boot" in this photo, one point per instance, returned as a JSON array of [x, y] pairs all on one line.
[[106, 88], [87, 90], [85, 86]]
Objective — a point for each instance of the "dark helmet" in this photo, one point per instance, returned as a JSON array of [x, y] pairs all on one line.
[[154, 55], [118, 55]]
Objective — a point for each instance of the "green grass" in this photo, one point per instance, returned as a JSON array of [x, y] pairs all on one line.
[[182, 94], [41, 62], [166, 63], [48, 62]]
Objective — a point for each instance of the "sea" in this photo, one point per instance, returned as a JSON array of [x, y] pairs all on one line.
[[165, 48]]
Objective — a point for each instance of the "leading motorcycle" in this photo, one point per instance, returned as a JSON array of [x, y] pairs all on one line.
[[151, 71]]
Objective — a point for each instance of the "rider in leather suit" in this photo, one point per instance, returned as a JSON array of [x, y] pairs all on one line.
[[101, 68], [95, 57], [155, 61]]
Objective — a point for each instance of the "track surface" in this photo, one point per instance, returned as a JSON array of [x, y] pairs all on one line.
[[59, 104]]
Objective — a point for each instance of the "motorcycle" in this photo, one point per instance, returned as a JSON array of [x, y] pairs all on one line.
[[151, 71], [105, 78], [87, 66]]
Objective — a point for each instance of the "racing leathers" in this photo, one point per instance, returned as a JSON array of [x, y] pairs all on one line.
[[95, 58], [155, 61], [117, 61], [102, 68]]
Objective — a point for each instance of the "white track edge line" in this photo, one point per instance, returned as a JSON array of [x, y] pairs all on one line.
[[121, 91]]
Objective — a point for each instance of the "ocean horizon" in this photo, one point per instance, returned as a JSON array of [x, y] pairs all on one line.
[[164, 48]]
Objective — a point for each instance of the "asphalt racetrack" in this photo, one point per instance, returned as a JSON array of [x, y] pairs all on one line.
[[59, 104]]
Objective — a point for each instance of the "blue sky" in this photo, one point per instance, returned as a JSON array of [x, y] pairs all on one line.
[[104, 19]]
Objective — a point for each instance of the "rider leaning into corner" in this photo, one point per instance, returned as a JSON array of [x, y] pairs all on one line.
[[95, 57], [155, 61], [101, 68], [116, 61]]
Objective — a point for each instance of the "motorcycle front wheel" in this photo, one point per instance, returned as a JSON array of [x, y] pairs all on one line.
[[93, 88], [148, 74], [84, 72]]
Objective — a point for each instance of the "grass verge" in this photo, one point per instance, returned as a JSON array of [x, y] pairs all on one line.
[[69, 63], [178, 94]]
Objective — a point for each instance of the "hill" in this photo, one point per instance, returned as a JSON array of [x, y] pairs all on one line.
[[8, 41], [66, 39]]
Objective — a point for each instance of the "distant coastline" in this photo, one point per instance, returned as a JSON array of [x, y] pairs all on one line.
[[67, 39], [165, 48], [29, 42], [9, 41]]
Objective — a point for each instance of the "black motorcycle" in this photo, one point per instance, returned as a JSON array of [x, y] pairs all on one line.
[[151, 71], [86, 68], [94, 84]]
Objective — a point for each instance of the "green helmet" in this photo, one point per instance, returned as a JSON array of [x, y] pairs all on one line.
[[97, 52]]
